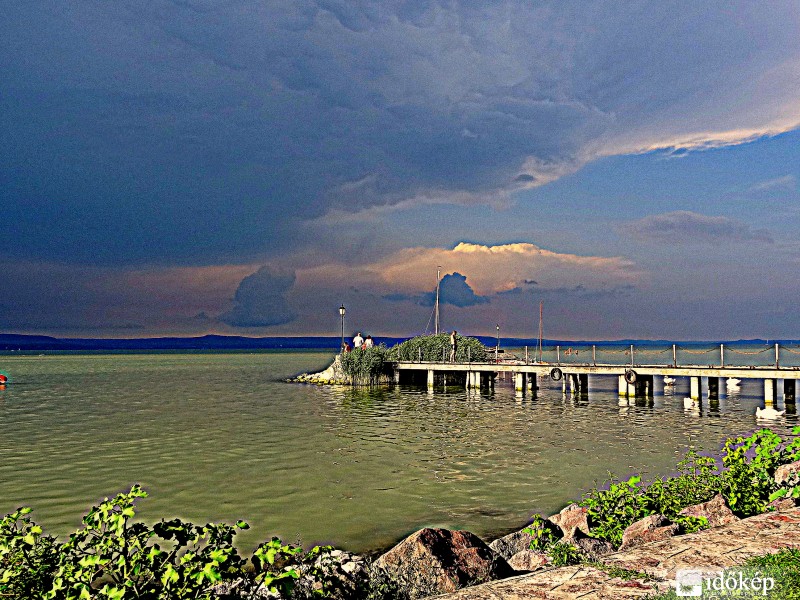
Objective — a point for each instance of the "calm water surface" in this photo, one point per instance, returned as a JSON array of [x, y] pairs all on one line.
[[218, 437]]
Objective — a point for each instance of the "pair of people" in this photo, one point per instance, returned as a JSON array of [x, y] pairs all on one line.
[[363, 343]]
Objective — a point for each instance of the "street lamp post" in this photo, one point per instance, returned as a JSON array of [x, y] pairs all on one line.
[[497, 348], [341, 313]]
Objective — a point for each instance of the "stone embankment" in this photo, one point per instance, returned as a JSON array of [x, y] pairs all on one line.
[[656, 562], [332, 375]]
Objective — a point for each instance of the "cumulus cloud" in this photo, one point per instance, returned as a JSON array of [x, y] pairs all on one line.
[[260, 300], [489, 269], [690, 227], [454, 290]]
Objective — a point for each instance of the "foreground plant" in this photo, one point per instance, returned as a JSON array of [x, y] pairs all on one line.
[[112, 558], [746, 481]]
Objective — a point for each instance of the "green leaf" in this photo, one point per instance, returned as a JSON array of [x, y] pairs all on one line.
[[778, 494]]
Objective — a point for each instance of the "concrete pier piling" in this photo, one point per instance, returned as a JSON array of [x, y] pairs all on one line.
[[770, 392]]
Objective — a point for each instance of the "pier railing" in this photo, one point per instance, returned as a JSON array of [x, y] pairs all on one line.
[[674, 355]]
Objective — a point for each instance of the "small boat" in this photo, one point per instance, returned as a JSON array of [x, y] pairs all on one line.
[[669, 380], [768, 413], [732, 382], [3, 379]]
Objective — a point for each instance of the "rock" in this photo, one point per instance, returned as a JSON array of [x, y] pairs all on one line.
[[571, 519], [591, 547], [343, 573], [715, 510], [653, 528], [436, 561], [781, 504], [788, 474], [528, 560], [238, 589], [511, 544]]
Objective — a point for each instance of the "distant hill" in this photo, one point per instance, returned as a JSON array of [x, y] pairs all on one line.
[[42, 343]]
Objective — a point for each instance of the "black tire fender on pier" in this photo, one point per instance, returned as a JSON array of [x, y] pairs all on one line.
[[630, 376], [556, 374]]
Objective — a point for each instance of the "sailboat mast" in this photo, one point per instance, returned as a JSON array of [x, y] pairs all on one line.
[[436, 310], [541, 329]]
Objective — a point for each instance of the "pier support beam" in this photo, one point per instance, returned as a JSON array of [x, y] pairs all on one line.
[[521, 382], [396, 376], [713, 387], [623, 386], [694, 388], [430, 379], [769, 392], [789, 390]]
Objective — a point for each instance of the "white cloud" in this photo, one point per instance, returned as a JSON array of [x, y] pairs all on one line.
[[786, 182], [690, 227], [488, 270]]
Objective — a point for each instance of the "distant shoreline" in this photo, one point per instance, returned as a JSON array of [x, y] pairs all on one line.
[[13, 343]]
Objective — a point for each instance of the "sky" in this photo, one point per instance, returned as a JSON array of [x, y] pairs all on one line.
[[183, 167]]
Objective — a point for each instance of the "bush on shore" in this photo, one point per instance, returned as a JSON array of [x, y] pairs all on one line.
[[366, 366], [435, 348]]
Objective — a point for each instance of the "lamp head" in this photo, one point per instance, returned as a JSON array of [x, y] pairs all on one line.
[[342, 310]]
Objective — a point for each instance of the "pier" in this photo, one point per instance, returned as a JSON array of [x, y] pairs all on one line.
[[634, 379]]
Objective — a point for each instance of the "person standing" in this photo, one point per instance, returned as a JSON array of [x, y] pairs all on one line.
[[368, 343], [358, 340], [453, 345]]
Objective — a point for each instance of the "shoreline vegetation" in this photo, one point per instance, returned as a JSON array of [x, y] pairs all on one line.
[[363, 367], [115, 557]]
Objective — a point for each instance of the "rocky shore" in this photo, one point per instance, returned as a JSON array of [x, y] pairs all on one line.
[[458, 565]]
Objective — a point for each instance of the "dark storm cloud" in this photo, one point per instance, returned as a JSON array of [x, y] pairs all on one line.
[[454, 290], [199, 132], [690, 227], [260, 300]]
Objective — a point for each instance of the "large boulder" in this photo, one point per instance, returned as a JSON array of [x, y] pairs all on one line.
[[511, 544], [715, 510], [436, 561], [788, 475], [528, 560], [653, 528], [571, 519]]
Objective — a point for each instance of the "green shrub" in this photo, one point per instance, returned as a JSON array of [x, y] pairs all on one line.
[[27, 558], [436, 348], [750, 463], [112, 558], [364, 366], [698, 480], [612, 510], [563, 554], [542, 532]]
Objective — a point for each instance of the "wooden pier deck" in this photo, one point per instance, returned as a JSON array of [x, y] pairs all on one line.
[[633, 380]]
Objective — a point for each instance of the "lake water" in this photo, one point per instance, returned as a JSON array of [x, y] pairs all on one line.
[[219, 437]]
